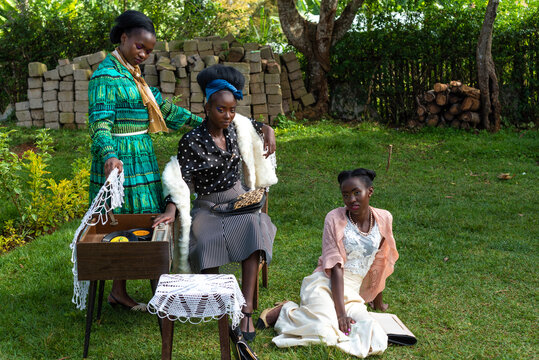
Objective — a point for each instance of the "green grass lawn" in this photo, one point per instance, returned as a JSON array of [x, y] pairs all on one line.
[[466, 281]]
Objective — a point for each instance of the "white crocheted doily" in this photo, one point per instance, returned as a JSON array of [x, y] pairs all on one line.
[[196, 298]]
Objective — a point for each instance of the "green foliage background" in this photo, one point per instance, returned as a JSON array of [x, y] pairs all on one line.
[[399, 49], [47, 30], [396, 50]]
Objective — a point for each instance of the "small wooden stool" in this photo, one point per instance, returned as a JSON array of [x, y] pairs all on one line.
[[196, 298]]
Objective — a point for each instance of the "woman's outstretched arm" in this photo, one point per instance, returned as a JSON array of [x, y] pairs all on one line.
[[337, 290]]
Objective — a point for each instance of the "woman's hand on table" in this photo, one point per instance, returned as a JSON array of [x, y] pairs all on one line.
[[111, 164], [269, 140], [167, 217]]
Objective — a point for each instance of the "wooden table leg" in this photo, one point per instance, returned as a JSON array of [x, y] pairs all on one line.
[[167, 334], [100, 298], [224, 341], [153, 284], [89, 317]]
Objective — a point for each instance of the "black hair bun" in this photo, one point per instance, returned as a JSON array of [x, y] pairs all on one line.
[[365, 174], [127, 22], [219, 71]]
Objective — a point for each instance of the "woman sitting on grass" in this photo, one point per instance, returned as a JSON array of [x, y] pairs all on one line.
[[358, 254]]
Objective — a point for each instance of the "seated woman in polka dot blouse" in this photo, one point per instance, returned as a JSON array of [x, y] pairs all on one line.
[[210, 162]]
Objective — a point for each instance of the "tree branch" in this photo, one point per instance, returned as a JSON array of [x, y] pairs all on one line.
[[294, 26], [343, 23]]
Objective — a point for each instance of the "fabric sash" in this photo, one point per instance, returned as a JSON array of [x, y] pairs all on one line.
[[157, 122]]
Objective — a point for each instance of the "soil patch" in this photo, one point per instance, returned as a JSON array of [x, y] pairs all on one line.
[[20, 149]]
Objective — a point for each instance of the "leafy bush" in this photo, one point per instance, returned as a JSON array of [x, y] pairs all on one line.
[[45, 31], [186, 19], [41, 203]]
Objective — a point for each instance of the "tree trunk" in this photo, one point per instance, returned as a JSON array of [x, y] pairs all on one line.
[[317, 83], [488, 81], [314, 41]]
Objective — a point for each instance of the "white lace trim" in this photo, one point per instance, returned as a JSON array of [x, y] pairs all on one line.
[[360, 249], [113, 193], [196, 298]]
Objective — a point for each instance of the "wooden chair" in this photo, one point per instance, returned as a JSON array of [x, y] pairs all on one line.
[[262, 267]]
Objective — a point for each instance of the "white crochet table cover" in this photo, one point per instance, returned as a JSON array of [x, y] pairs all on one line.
[[196, 298]]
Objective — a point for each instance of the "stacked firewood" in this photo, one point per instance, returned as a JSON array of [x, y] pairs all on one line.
[[452, 104]]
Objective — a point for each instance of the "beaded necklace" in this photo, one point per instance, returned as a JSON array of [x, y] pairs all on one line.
[[371, 223]]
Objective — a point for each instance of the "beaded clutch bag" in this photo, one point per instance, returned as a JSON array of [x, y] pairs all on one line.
[[250, 201]]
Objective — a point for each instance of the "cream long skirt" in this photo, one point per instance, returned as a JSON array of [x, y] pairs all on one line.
[[315, 320]]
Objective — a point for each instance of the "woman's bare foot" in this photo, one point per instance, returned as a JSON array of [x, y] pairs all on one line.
[[269, 316], [273, 315], [124, 300], [381, 307], [378, 303], [118, 295]]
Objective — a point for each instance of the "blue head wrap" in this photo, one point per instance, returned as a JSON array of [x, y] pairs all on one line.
[[220, 84]]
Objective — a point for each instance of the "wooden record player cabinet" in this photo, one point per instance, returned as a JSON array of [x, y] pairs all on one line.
[[98, 261]]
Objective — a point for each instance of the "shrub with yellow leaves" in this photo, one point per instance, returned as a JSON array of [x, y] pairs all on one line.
[[41, 202]]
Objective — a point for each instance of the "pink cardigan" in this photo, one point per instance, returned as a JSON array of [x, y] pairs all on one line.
[[333, 250]]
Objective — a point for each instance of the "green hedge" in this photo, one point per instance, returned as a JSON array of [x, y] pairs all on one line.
[[399, 55]]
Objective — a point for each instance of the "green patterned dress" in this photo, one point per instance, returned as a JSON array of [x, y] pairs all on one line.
[[115, 107]]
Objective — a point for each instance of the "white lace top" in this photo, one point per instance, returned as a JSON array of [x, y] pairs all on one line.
[[360, 249]]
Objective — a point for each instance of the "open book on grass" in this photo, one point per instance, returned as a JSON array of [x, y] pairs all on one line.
[[397, 332]]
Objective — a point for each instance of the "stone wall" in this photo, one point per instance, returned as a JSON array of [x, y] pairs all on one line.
[[58, 98]]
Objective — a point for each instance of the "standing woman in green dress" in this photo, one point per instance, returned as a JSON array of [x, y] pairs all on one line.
[[123, 110]]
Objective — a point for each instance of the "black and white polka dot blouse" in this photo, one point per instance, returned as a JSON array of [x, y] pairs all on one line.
[[206, 166]]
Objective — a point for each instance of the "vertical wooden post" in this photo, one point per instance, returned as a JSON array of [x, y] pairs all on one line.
[[167, 335], [224, 342]]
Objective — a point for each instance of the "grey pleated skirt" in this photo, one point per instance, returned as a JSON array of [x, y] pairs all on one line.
[[221, 239]]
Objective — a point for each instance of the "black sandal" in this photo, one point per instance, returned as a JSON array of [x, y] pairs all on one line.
[[248, 336]]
